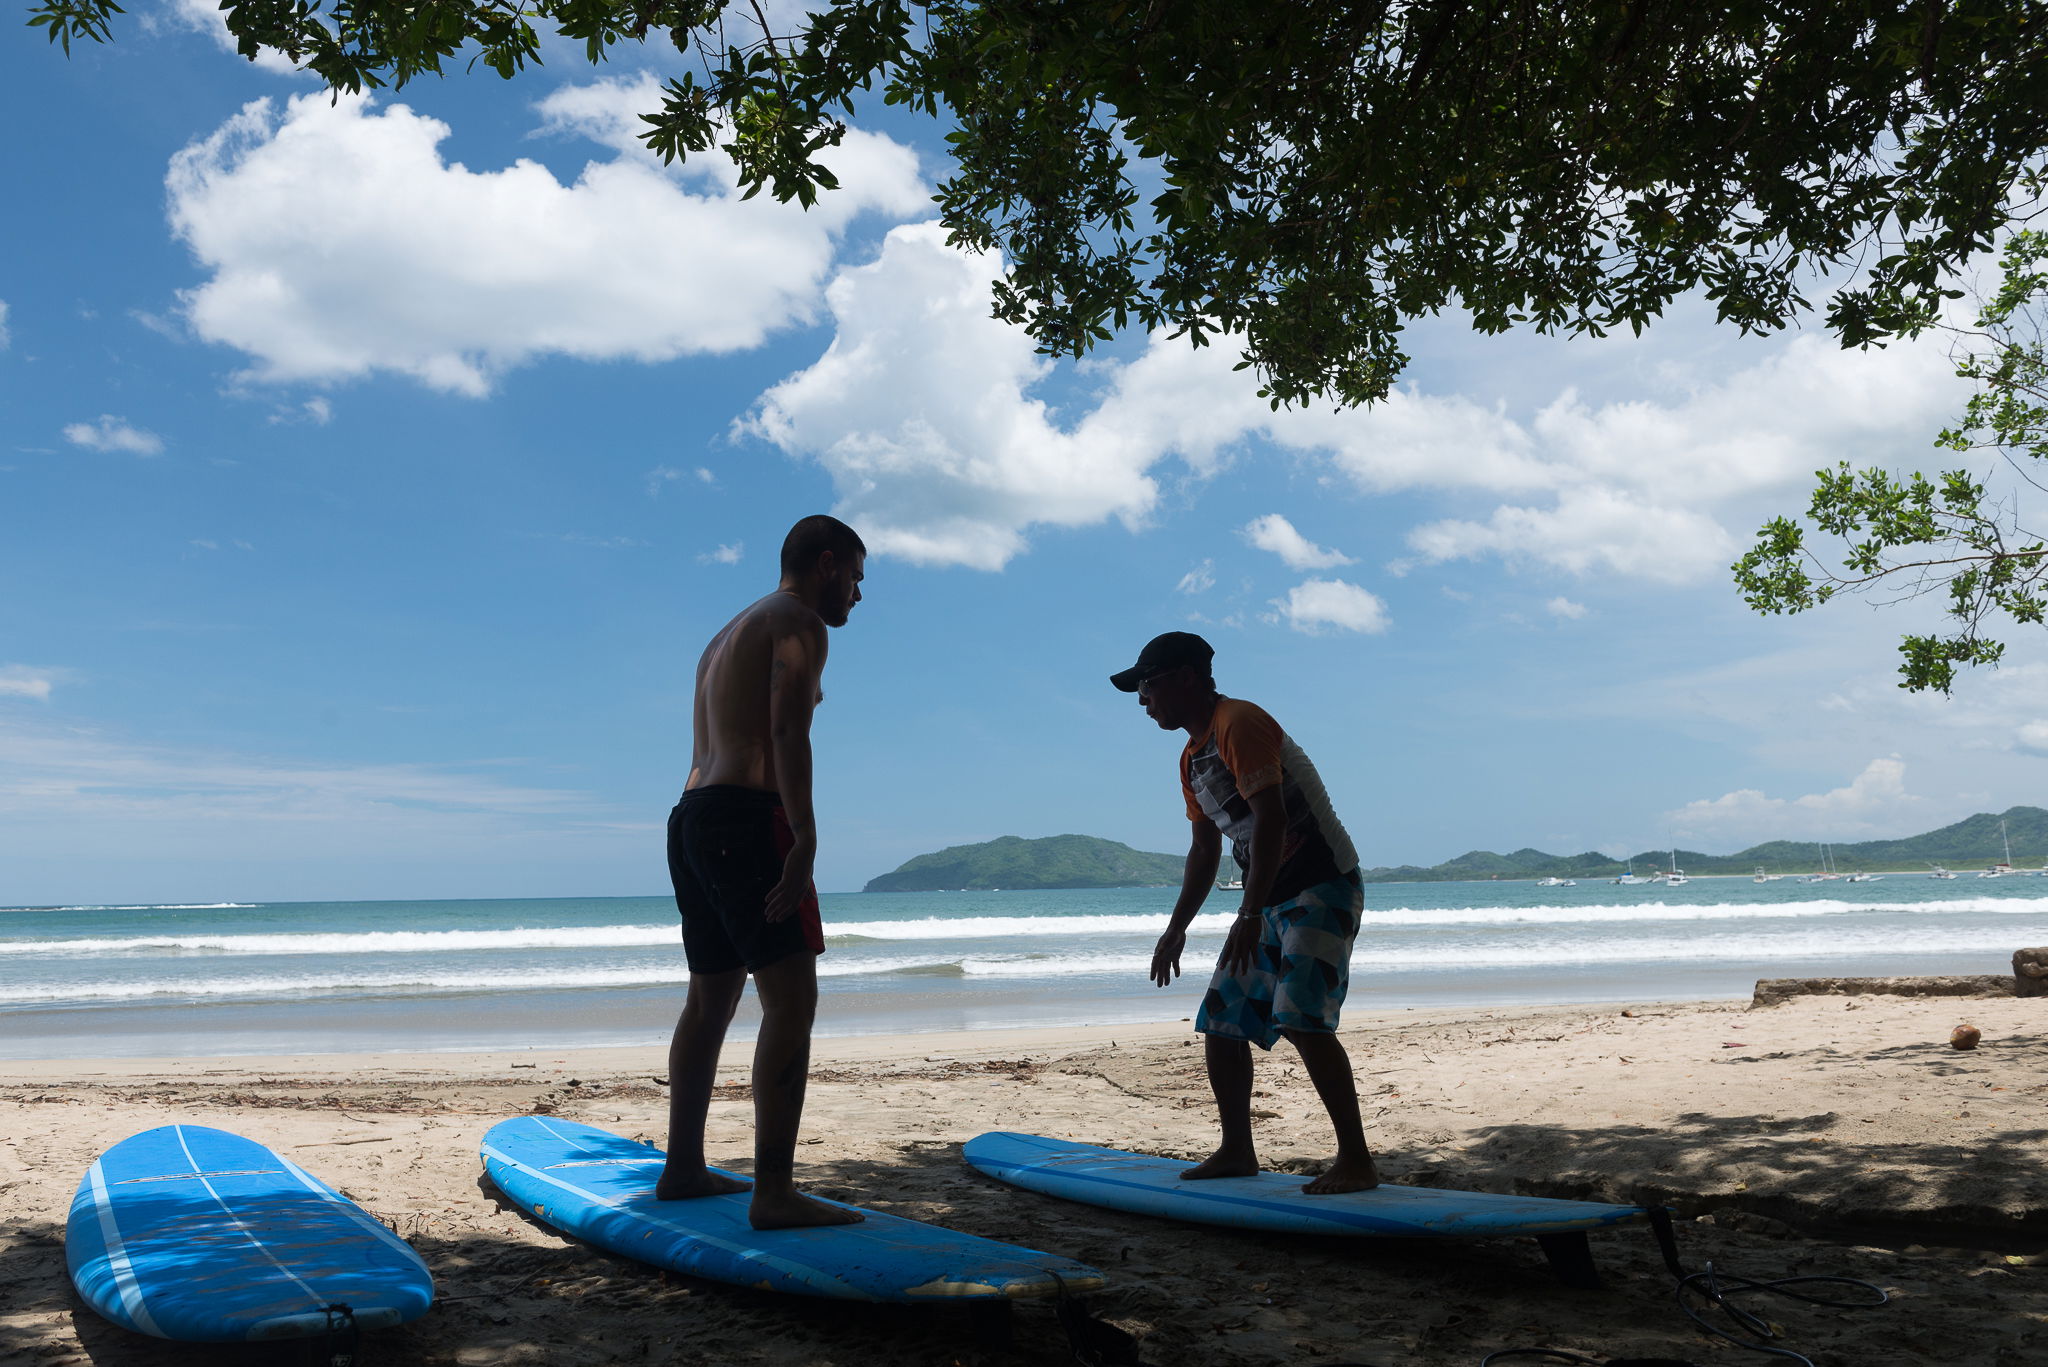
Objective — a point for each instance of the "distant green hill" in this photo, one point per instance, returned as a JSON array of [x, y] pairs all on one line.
[[1969, 844], [1057, 861], [1085, 861]]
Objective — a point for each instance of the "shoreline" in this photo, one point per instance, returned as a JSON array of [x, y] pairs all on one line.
[[826, 1051], [1963, 873], [1826, 1135]]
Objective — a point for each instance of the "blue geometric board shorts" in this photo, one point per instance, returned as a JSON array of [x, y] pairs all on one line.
[[1298, 974]]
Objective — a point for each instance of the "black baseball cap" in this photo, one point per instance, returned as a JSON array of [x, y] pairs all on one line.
[[1161, 653]]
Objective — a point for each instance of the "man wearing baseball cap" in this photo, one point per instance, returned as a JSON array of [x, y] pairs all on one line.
[[1286, 962]]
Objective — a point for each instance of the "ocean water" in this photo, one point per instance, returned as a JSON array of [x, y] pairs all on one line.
[[440, 975]]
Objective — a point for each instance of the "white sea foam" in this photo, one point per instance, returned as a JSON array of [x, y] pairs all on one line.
[[340, 981], [1002, 927], [150, 906], [361, 942], [977, 928], [1438, 955]]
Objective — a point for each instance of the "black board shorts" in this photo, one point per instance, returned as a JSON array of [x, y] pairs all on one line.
[[726, 846]]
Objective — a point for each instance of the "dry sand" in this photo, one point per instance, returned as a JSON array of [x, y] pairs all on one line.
[[1825, 1136]]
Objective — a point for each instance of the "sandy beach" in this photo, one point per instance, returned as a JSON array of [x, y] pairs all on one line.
[[1826, 1136]]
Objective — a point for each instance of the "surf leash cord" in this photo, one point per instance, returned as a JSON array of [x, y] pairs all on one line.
[[338, 1341], [1709, 1289]]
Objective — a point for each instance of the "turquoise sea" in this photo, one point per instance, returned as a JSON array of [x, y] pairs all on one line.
[[294, 977]]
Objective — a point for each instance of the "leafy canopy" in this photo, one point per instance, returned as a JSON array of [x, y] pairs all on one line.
[[1321, 173], [1915, 536]]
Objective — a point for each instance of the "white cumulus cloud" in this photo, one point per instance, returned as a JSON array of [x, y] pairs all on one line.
[[110, 433], [6, 338], [724, 555], [1590, 529], [1565, 608], [1874, 803], [922, 410], [1200, 579], [1323, 604], [1639, 488], [339, 242], [1276, 534], [919, 410], [205, 17], [24, 681]]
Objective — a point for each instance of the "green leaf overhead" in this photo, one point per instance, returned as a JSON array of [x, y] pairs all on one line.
[[1311, 177], [1945, 536]]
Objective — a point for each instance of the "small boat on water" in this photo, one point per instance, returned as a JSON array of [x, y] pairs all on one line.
[[1862, 877], [1827, 872], [1673, 876], [1629, 879], [1937, 871], [1554, 882], [2004, 868]]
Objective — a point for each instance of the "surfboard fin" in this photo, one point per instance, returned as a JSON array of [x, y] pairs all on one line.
[[338, 1343], [1095, 1342]]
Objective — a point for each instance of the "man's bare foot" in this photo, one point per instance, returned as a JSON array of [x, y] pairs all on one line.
[[794, 1210], [1346, 1174], [1223, 1163], [686, 1186]]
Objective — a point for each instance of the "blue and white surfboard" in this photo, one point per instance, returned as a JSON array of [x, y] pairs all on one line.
[[191, 1233], [599, 1187], [1272, 1201]]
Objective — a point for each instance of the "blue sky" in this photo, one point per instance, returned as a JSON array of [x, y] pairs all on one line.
[[373, 473]]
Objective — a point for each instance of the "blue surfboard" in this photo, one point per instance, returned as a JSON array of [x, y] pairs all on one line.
[[599, 1187], [1272, 1201], [191, 1233]]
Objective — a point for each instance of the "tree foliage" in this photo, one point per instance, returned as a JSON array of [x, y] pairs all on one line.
[[1315, 175], [1913, 536]]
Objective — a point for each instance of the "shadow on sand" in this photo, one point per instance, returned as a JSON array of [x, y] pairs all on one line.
[[1195, 1296]]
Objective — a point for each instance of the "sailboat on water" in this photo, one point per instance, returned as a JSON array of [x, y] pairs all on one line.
[[1827, 872], [2000, 870], [1675, 875]]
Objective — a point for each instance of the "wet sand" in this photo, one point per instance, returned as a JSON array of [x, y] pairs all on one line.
[[1828, 1136]]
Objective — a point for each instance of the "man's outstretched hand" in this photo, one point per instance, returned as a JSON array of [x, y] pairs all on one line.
[[1166, 957]]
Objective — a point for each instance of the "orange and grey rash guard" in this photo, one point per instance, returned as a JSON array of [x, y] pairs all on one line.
[[1244, 751]]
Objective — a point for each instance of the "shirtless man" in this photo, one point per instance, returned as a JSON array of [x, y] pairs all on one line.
[[1287, 961], [741, 845]]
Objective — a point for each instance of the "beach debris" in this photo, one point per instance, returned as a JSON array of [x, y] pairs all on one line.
[[2030, 972], [1778, 991], [1964, 1036]]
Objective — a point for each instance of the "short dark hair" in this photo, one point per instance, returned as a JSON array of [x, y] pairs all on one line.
[[812, 536]]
